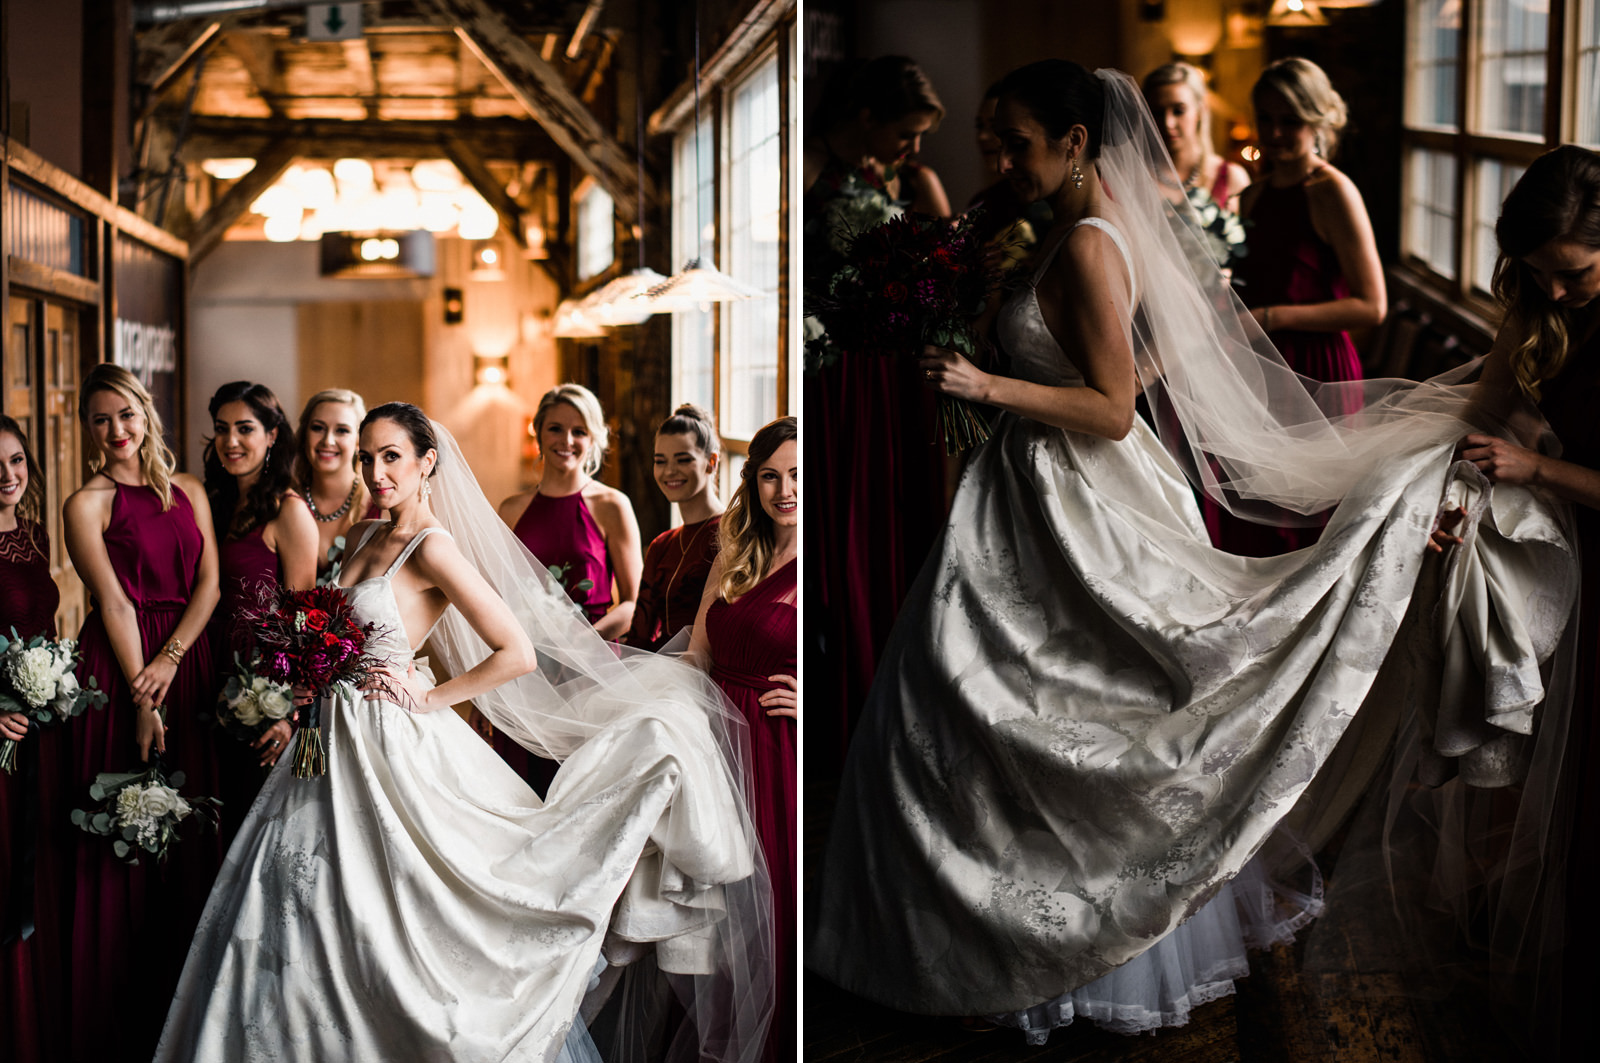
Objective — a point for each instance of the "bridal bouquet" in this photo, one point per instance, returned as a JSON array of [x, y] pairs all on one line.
[[1221, 230], [250, 702], [311, 639], [37, 680], [911, 281], [141, 810]]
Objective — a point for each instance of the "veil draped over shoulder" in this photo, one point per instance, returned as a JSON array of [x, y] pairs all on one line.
[[1477, 690], [698, 905]]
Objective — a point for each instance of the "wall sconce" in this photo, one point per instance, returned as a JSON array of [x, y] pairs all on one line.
[[455, 309], [491, 370], [488, 261]]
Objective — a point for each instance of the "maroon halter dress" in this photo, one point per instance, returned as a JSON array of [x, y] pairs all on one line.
[[132, 925], [751, 639], [564, 536]]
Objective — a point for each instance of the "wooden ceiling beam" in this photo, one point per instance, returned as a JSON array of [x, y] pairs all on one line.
[[215, 137], [259, 54], [540, 88], [270, 165], [358, 57], [476, 171], [164, 54]]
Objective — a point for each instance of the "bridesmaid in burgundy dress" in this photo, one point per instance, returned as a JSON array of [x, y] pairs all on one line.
[[748, 630], [325, 472], [1313, 269], [139, 535], [270, 538], [679, 559], [582, 530], [35, 843]]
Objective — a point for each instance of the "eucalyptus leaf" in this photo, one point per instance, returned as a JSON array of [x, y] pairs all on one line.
[[175, 780], [101, 823], [121, 848], [4, 642], [97, 792], [130, 832], [78, 817]]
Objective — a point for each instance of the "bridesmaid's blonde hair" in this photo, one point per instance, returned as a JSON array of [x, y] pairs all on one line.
[[581, 399], [748, 537], [156, 460], [1309, 93], [1191, 78], [302, 448]]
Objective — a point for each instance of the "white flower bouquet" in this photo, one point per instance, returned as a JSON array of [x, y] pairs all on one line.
[[141, 810], [37, 680], [249, 703]]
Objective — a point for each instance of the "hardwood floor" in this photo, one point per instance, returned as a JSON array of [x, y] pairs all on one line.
[[1335, 996]]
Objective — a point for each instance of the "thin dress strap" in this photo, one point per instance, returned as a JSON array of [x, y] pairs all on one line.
[[1122, 245], [412, 545]]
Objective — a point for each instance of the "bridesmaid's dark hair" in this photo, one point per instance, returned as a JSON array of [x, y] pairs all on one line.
[[1557, 198], [691, 420], [414, 421], [748, 537], [888, 88], [30, 506], [261, 505], [1060, 94]]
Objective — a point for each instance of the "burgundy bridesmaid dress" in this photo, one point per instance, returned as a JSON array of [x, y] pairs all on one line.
[[564, 536], [751, 639], [132, 925], [36, 843], [1288, 265], [245, 567], [675, 570]]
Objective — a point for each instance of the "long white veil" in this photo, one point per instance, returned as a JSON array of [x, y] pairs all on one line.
[[1488, 825], [696, 913]]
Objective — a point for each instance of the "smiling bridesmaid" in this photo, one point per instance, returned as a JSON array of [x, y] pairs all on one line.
[[139, 534], [269, 538]]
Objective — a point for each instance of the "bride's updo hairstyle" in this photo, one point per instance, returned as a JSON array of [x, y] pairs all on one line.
[[416, 424], [748, 538], [888, 88], [1060, 94], [1310, 95], [1557, 198]]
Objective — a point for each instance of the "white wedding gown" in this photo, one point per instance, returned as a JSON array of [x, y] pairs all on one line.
[[1088, 720], [418, 902]]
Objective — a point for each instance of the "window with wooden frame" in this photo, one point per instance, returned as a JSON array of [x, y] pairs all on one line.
[[735, 357], [1490, 86]]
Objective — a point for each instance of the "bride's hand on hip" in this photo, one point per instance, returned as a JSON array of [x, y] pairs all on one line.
[[948, 372], [403, 689]]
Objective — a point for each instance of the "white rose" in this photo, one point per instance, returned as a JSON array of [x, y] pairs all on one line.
[[247, 709], [130, 812], [275, 703], [156, 801], [66, 695], [33, 676], [182, 808]]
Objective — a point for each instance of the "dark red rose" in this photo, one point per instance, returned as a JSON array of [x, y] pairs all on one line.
[[316, 619], [895, 292]]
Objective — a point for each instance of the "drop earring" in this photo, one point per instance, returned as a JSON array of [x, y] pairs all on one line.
[[427, 489], [1077, 174]]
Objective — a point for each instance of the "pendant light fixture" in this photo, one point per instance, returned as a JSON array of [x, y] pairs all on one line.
[[699, 283]]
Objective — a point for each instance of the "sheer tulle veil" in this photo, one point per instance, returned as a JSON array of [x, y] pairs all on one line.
[[696, 914], [1276, 447]]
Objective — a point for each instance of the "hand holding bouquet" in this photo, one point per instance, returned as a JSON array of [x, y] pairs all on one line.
[[37, 680], [141, 810], [311, 639], [250, 704]]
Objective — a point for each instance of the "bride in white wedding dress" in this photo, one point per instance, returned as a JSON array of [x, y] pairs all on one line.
[[1088, 721], [419, 901]]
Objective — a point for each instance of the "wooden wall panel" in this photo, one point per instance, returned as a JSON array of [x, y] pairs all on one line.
[[376, 348]]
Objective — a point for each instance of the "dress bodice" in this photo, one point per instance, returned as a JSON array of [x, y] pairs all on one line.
[[1288, 262], [373, 602], [1035, 354], [244, 566], [565, 537], [28, 596], [755, 637], [155, 552]]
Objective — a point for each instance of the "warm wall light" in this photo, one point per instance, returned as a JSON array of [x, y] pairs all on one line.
[[488, 262], [1289, 13], [491, 369]]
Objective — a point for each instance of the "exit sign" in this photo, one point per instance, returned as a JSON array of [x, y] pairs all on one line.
[[333, 22]]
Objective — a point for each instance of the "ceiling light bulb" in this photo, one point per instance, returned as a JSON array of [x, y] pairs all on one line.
[[283, 228]]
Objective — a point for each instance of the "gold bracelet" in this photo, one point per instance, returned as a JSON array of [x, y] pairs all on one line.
[[173, 650]]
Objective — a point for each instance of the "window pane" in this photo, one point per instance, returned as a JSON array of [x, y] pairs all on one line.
[[597, 232], [693, 230], [1433, 60], [1495, 179], [1587, 95], [1431, 209], [1513, 40], [750, 352]]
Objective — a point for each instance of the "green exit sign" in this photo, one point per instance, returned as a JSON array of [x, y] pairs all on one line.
[[333, 22]]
